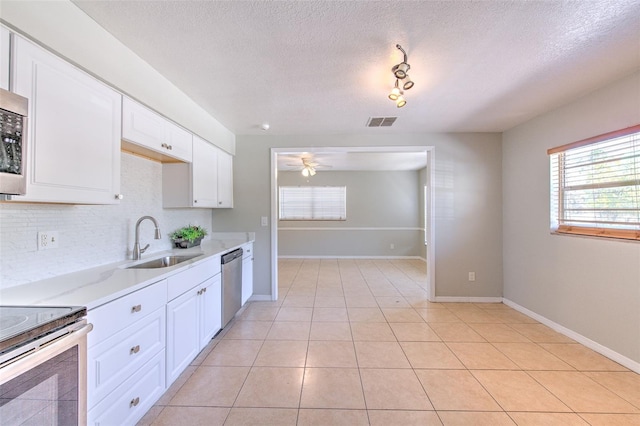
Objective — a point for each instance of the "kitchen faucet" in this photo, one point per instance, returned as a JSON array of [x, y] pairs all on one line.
[[137, 251]]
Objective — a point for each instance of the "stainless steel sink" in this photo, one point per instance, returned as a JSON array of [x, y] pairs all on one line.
[[162, 262]]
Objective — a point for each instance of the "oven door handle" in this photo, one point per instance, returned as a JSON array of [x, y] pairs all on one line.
[[29, 360]]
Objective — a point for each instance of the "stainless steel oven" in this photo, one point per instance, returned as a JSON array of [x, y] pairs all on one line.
[[13, 143], [43, 365]]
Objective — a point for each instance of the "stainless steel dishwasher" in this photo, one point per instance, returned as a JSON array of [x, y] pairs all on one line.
[[231, 285]]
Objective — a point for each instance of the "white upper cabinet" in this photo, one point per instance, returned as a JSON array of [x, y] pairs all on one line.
[[225, 180], [205, 174], [158, 137], [207, 182], [5, 48], [73, 139]]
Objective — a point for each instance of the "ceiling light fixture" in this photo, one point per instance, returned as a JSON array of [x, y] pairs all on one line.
[[307, 169], [400, 72]]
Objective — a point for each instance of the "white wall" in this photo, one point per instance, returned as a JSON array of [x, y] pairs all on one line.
[[588, 285], [468, 214], [382, 209], [89, 235], [66, 30]]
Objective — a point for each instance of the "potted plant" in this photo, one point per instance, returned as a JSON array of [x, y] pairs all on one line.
[[188, 236]]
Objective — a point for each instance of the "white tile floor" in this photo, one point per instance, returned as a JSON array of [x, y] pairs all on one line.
[[355, 342]]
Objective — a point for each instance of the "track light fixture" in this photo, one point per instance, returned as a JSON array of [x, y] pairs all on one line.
[[403, 81]]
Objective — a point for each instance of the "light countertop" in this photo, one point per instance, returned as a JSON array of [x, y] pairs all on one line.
[[97, 286]]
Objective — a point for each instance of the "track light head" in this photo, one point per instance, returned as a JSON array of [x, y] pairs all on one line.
[[395, 92], [407, 83]]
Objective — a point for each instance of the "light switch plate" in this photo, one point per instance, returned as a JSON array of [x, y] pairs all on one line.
[[263, 221]]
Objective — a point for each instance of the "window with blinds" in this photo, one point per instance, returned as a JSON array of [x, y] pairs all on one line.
[[595, 186], [313, 202]]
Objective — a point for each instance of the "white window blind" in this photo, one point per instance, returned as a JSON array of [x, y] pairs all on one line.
[[313, 202], [595, 186]]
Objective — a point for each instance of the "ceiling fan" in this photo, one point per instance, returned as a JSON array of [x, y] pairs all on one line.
[[308, 166]]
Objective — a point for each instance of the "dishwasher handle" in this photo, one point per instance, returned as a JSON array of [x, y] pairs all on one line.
[[231, 256]]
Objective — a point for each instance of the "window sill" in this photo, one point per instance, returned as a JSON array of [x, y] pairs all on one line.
[[594, 237]]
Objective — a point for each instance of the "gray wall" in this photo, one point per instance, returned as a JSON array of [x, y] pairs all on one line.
[[589, 285], [375, 201], [468, 213]]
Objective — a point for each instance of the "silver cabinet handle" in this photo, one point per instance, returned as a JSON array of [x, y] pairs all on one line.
[[134, 350], [195, 201], [135, 401], [136, 308], [119, 196], [167, 146]]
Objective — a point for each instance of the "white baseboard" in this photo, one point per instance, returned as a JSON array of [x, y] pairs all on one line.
[[453, 299], [349, 257], [260, 298], [603, 350]]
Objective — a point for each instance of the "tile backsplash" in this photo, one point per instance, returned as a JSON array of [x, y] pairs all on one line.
[[89, 236]]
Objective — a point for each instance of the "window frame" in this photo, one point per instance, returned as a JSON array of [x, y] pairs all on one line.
[[556, 188], [312, 198]]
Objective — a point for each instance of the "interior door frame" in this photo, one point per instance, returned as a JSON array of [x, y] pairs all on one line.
[[429, 204]]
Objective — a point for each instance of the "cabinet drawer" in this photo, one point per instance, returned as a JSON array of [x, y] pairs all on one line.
[[114, 316], [130, 401], [112, 361], [186, 280]]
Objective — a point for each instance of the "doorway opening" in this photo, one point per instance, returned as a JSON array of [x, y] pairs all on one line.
[[359, 158]]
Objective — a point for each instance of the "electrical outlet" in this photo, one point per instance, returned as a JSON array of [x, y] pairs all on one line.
[[392, 246], [472, 276], [47, 240], [263, 221]]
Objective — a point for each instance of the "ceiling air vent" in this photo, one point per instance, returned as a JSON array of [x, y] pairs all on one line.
[[381, 121]]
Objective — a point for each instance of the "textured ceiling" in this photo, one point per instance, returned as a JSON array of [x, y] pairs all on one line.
[[323, 67]]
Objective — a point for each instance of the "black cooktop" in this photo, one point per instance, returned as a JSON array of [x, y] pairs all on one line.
[[21, 324]]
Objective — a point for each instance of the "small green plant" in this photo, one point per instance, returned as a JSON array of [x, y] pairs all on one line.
[[189, 233]]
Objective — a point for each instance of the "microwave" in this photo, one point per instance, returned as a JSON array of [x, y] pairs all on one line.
[[13, 143]]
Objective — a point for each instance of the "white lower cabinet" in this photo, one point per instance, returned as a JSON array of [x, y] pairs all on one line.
[[126, 356], [193, 318], [142, 341], [119, 356], [247, 272], [133, 398], [183, 342], [210, 310]]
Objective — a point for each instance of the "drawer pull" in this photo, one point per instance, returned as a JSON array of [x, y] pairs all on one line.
[[167, 146], [134, 350], [136, 308], [135, 401]]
